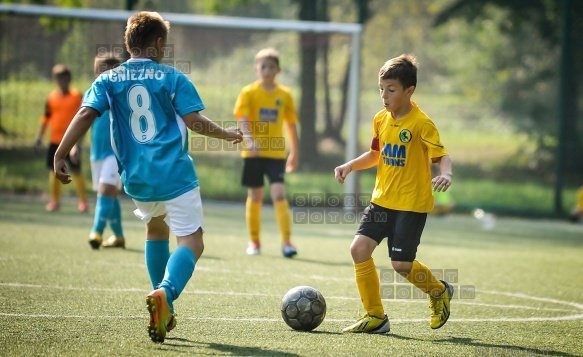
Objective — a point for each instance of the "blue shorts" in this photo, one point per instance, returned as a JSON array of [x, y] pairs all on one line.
[[402, 228]]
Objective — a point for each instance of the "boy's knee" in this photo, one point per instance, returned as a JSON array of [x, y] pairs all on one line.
[[401, 267]]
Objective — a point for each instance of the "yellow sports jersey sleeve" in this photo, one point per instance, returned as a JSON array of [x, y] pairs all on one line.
[[266, 112], [406, 146]]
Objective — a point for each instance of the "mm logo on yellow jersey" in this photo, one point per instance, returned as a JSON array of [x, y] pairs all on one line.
[[394, 155]]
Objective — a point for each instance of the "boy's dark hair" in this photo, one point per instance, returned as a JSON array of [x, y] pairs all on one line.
[[105, 61], [268, 53], [60, 70], [143, 29], [402, 68]]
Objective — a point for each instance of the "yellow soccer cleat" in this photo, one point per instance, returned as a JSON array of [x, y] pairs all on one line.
[[160, 315], [369, 324], [440, 306], [115, 242], [95, 240]]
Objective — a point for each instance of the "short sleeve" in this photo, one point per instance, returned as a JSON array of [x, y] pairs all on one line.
[[242, 105], [96, 96], [186, 98], [374, 144], [291, 115], [430, 138]]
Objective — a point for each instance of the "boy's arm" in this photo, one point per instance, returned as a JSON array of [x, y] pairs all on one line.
[[292, 159], [204, 126], [363, 162], [443, 181], [249, 142], [78, 127], [43, 128]]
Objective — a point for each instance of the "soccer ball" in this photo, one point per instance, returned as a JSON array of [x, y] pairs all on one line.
[[303, 308]]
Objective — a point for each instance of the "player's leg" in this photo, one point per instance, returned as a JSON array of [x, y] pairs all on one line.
[[252, 178], [54, 184], [371, 231], [275, 171], [108, 188], [157, 253], [403, 249], [184, 217], [79, 181]]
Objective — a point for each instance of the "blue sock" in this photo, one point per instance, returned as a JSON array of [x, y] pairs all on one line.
[[157, 253], [103, 210], [178, 271], [115, 218]]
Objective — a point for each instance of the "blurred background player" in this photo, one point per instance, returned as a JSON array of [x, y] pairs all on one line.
[[61, 106], [404, 141], [262, 108], [146, 100], [106, 180], [577, 212]]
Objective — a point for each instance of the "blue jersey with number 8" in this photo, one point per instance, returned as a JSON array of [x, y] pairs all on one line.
[[150, 140]]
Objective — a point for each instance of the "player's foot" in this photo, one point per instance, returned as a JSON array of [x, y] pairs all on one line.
[[171, 323], [369, 324], [52, 206], [114, 242], [288, 250], [253, 248], [95, 240], [440, 306], [159, 315], [83, 207]]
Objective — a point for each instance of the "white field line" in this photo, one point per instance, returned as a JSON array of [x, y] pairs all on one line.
[[578, 306], [265, 319]]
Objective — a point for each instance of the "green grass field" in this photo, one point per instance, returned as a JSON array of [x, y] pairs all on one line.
[[521, 280]]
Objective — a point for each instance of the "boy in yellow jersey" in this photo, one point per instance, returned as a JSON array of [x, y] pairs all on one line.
[[577, 212], [262, 108], [404, 140], [62, 105]]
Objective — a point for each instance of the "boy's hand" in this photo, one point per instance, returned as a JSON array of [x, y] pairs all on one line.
[[233, 134], [291, 164], [441, 183], [340, 172], [38, 145], [61, 171]]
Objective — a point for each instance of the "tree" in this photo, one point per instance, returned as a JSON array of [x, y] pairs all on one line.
[[546, 19]]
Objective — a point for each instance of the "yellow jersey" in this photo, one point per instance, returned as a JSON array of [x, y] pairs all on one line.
[[266, 111], [403, 180]]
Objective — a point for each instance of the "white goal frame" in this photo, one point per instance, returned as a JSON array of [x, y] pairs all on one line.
[[352, 29]]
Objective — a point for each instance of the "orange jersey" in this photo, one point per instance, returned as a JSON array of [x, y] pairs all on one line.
[[60, 110]]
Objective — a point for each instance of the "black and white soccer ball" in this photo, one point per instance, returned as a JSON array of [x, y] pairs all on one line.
[[303, 308]]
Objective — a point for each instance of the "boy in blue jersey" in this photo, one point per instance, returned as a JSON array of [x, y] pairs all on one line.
[[151, 106], [104, 172]]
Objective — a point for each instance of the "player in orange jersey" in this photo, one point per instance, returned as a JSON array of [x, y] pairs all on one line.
[[62, 105]]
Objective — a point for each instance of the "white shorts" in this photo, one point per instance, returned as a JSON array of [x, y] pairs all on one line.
[[183, 213], [105, 171]]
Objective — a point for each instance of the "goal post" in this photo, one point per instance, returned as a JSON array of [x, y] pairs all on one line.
[[235, 23]]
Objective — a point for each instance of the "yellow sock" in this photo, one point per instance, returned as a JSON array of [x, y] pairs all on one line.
[[283, 219], [423, 278], [54, 187], [253, 217], [80, 187], [367, 280]]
